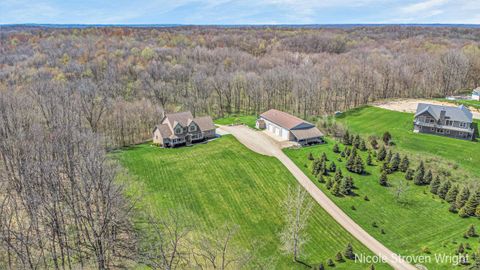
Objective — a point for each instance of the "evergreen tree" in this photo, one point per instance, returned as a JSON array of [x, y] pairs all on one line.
[[435, 185], [462, 197], [383, 179], [336, 189], [329, 183], [321, 267], [358, 167], [386, 137], [310, 156], [323, 168], [343, 154], [453, 208], [336, 149], [338, 175], [330, 263], [419, 174], [347, 185], [385, 168], [395, 162], [471, 205], [477, 211], [346, 138], [350, 165], [348, 151], [428, 178], [404, 164], [348, 252], [332, 167], [374, 143], [369, 159], [321, 179], [324, 157], [389, 156], [371, 267], [452, 194], [460, 249], [409, 174], [463, 213], [339, 257], [356, 141], [363, 146], [382, 153], [471, 232], [443, 189]]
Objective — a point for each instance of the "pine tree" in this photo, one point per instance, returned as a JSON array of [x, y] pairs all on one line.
[[463, 213], [386, 137], [363, 146], [336, 149], [348, 252], [310, 156], [443, 189], [382, 153], [343, 154], [471, 232], [477, 211], [356, 141], [453, 208], [452, 194], [347, 185], [358, 167], [460, 249], [385, 168], [338, 175], [471, 205], [329, 183], [323, 168], [321, 267], [369, 159], [428, 178], [346, 138], [316, 166], [395, 162], [389, 156], [332, 167], [324, 157], [374, 143], [435, 185], [321, 179], [419, 174], [462, 197], [350, 165], [371, 267], [404, 164], [348, 151], [330, 263], [383, 179], [409, 174], [339, 257], [336, 189]]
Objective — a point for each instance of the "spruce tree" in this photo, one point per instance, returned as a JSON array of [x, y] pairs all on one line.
[[428, 178], [343, 154], [323, 168], [330, 263], [382, 153], [363, 146], [385, 168], [321, 179], [332, 167], [316, 166], [419, 174], [358, 167], [462, 197], [350, 165], [443, 189], [452, 194], [383, 179], [371, 267], [339, 257], [338, 175], [347, 185], [336, 149], [395, 162], [374, 143], [386, 137], [369, 159], [324, 157], [460, 249], [329, 183], [348, 151], [346, 138], [409, 174], [310, 156], [348, 252], [336, 189], [356, 141], [471, 205], [404, 164], [321, 267], [477, 211], [453, 208], [388, 157], [471, 232], [435, 185]]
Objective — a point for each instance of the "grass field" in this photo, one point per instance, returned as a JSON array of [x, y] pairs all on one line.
[[459, 156], [248, 120], [417, 221], [469, 103], [224, 182]]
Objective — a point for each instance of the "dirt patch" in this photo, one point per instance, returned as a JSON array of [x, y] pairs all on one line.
[[410, 105]]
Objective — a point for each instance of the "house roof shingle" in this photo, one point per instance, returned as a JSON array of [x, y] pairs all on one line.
[[460, 113], [283, 119], [164, 130], [180, 117], [204, 123], [303, 134]]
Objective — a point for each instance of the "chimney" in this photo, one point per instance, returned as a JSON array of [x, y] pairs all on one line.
[[442, 116]]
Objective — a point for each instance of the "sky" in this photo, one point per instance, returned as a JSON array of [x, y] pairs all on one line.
[[239, 11]]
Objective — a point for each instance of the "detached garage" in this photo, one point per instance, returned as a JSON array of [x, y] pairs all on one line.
[[289, 127]]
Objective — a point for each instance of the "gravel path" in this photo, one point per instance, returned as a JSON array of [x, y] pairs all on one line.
[[263, 144]]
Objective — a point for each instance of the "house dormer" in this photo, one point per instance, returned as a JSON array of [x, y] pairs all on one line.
[[192, 126], [177, 128]]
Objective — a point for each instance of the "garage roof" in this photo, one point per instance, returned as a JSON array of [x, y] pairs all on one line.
[[284, 120]]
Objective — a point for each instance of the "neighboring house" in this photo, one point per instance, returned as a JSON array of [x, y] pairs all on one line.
[[476, 94], [183, 129], [455, 122], [289, 127]]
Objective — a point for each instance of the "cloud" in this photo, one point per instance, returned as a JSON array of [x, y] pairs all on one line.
[[424, 6]]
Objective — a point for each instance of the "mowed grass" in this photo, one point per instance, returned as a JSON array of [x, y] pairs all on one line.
[[416, 221], [224, 182], [460, 157], [248, 120]]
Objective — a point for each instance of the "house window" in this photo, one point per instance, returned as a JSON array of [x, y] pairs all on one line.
[[431, 120], [463, 124], [178, 130], [447, 131], [433, 129], [193, 128], [449, 122], [439, 130]]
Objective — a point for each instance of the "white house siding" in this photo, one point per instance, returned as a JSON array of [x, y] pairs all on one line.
[[277, 130], [476, 97]]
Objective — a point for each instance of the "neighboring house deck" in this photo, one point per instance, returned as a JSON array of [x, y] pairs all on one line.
[[289, 127], [183, 129], [454, 122]]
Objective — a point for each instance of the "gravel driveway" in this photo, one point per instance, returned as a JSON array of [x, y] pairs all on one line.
[[263, 144]]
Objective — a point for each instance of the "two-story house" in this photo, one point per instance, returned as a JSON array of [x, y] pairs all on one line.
[[183, 129], [455, 122]]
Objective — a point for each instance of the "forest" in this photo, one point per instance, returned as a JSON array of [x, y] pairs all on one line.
[[68, 96]]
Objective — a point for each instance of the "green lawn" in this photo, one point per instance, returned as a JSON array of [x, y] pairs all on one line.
[[248, 120], [419, 220], [224, 182], [458, 156], [469, 103]]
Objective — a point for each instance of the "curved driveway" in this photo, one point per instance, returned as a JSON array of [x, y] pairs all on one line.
[[263, 144]]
